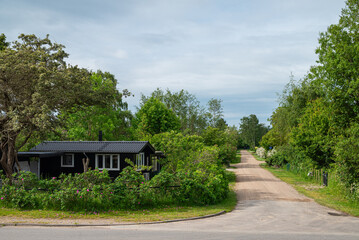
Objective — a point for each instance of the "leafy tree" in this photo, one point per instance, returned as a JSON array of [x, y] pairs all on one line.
[[186, 106], [85, 122], [179, 149], [3, 43], [292, 104], [215, 111], [36, 84], [251, 130], [313, 135], [337, 71], [225, 140], [221, 124], [154, 117], [347, 158]]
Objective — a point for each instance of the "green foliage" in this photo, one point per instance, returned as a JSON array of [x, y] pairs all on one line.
[[252, 131], [154, 118], [186, 106], [313, 135], [3, 43], [226, 140], [215, 112], [279, 159], [37, 84], [177, 148], [337, 71], [318, 116], [93, 191], [347, 158], [85, 122], [193, 166]]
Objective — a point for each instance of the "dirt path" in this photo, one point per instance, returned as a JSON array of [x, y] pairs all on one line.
[[255, 183]]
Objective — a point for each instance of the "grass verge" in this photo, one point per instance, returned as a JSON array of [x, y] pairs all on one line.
[[143, 215], [331, 196]]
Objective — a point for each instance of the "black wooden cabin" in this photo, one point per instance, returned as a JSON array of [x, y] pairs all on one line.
[[56, 157]]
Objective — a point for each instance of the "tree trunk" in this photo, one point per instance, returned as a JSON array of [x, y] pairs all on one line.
[[8, 157], [86, 162]]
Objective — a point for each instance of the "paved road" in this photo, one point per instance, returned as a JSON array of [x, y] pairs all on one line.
[[267, 209]]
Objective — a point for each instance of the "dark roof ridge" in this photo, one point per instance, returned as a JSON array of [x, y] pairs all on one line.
[[96, 141]]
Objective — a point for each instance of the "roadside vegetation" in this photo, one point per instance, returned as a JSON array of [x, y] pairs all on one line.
[[333, 195], [316, 126], [139, 213], [54, 101]]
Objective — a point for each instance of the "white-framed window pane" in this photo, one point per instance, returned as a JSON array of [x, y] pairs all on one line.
[[99, 161], [107, 161], [114, 161], [67, 160]]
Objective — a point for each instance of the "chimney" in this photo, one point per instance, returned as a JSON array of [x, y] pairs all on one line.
[[100, 136]]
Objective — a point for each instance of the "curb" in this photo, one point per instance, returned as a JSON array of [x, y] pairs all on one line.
[[106, 225]]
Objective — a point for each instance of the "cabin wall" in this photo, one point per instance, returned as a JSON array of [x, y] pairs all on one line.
[[51, 167]]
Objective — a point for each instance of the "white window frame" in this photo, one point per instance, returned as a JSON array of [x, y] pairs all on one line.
[[111, 162], [140, 160], [72, 158]]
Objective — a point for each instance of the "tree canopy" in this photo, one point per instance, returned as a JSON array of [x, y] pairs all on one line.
[[154, 117], [318, 116], [36, 84], [251, 130]]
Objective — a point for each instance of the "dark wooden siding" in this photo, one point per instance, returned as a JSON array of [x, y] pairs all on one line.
[[51, 166]]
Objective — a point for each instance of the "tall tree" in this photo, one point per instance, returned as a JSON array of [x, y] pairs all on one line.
[[215, 111], [36, 84], [186, 106], [337, 71], [154, 117], [251, 130], [3, 43], [113, 118]]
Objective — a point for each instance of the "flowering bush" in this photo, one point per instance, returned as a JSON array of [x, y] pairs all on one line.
[[194, 176], [261, 152], [271, 152]]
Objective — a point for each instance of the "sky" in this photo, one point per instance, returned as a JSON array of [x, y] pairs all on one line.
[[240, 51]]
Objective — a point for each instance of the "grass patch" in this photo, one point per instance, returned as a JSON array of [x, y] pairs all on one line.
[[332, 196], [258, 158]]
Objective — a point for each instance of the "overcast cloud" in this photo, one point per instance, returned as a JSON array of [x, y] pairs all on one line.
[[241, 51]]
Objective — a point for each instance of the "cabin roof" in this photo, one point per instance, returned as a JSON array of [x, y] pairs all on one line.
[[93, 146]]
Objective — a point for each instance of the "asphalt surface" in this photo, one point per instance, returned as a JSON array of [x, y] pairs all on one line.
[[267, 209]]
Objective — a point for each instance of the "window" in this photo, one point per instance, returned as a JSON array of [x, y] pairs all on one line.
[[108, 161], [140, 160], [67, 160], [154, 163]]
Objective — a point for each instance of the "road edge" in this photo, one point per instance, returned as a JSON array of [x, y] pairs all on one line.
[[110, 224]]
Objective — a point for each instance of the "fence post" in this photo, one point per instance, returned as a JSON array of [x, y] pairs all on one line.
[[325, 179]]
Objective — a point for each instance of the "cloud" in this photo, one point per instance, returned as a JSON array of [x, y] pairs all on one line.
[[240, 51]]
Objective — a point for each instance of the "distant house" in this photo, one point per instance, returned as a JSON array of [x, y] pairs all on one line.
[[51, 158]]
